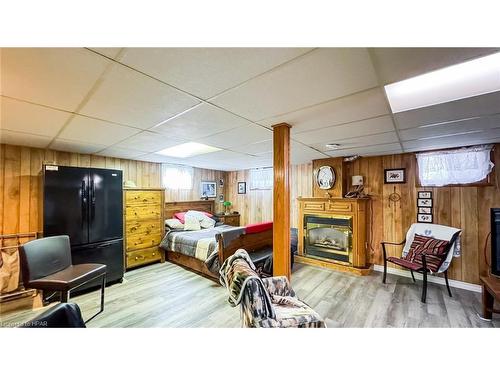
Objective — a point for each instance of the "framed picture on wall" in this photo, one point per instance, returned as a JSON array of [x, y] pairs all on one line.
[[395, 176], [242, 187], [424, 218], [209, 189], [425, 194], [221, 198], [425, 210], [424, 202]]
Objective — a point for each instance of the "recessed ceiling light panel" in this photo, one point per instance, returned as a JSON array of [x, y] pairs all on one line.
[[187, 150], [475, 77]]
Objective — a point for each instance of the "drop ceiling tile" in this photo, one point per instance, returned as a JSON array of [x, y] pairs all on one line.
[[481, 105], [383, 149], [90, 130], [366, 141], [256, 148], [131, 98], [157, 158], [118, 152], [448, 128], [360, 106], [480, 137], [355, 129], [23, 139], [30, 118], [147, 141], [319, 76], [75, 146], [57, 77], [206, 72], [300, 154], [201, 121], [396, 64], [235, 138]]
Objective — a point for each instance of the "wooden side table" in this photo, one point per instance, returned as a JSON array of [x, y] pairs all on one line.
[[491, 291], [231, 219]]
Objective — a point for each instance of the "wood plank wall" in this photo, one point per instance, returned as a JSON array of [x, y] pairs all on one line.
[[20, 182], [257, 205], [199, 175], [461, 207]]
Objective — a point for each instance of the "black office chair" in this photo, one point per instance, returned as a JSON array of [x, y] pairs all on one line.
[[62, 315], [46, 265]]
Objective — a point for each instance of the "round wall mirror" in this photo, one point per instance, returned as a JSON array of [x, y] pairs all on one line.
[[325, 177]]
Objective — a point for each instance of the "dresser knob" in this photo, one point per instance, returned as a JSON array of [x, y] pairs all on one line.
[[136, 258], [154, 254]]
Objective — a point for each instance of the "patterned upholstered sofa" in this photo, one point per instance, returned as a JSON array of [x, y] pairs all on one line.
[[264, 302]]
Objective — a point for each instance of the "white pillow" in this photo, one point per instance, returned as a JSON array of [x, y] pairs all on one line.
[[207, 222], [191, 223], [197, 214], [174, 224]]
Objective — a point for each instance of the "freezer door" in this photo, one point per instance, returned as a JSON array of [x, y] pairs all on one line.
[[65, 202], [109, 253], [105, 205]]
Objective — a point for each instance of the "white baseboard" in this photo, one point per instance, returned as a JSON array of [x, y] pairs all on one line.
[[431, 279]]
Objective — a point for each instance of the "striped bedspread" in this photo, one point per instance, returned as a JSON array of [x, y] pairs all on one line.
[[199, 244]]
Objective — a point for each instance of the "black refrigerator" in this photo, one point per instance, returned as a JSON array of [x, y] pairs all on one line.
[[87, 205]]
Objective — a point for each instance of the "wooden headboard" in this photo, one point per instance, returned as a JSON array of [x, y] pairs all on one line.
[[173, 207]]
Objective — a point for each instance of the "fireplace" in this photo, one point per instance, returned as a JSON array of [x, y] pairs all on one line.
[[328, 237], [333, 233]]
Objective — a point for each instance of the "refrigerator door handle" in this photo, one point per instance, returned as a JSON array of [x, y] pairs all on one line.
[[92, 199], [84, 202]]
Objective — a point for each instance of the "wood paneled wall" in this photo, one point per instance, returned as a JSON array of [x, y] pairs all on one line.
[[20, 169], [257, 205], [199, 175], [461, 207]]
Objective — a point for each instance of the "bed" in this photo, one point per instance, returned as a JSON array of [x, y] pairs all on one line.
[[205, 250]]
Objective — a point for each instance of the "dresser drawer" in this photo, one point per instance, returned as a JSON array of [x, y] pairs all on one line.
[[133, 227], [234, 221], [138, 198], [144, 256], [143, 213], [142, 241]]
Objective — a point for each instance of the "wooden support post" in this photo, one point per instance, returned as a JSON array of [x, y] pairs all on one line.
[[281, 200]]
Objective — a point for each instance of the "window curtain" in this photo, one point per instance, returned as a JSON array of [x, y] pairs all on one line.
[[261, 179], [176, 176], [462, 166]]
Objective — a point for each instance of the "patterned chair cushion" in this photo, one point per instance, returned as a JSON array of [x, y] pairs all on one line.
[[435, 251]]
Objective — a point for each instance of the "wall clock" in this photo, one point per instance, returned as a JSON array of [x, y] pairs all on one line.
[[325, 177]]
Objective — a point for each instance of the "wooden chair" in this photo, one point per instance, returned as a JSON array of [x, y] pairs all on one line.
[[420, 257]]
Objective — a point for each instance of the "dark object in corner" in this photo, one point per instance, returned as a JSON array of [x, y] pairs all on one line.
[[62, 315], [495, 242]]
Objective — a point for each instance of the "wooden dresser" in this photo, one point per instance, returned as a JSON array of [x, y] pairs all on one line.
[[143, 226]]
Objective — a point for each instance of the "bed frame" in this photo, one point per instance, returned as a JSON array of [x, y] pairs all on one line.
[[250, 242]]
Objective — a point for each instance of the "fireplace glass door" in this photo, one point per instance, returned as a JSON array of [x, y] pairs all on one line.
[[328, 237]]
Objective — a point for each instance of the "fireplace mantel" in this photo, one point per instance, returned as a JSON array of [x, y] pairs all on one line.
[[348, 210]]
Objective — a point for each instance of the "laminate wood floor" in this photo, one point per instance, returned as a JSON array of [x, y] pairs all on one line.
[[166, 295]]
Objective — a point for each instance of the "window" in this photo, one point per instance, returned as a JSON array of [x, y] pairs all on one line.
[[176, 176], [454, 167], [261, 179]]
